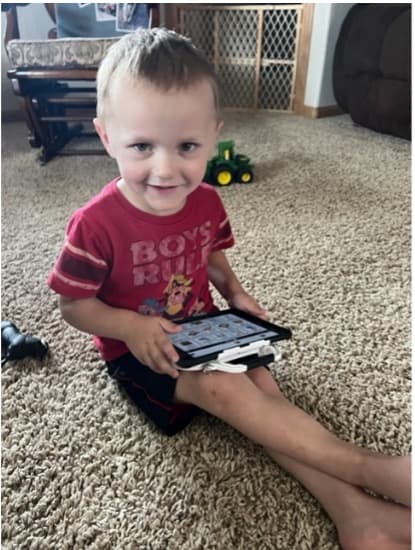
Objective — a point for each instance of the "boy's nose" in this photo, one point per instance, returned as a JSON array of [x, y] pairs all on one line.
[[164, 166]]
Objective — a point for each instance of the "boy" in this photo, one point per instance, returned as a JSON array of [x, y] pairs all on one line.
[[144, 251]]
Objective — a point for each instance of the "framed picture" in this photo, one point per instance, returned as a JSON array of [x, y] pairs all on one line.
[[130, 16], [105, 12]]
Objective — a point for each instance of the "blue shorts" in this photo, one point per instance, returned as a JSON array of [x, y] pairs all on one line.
[[152, 393]]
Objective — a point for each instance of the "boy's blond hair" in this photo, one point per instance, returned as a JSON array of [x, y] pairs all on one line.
[[160, 56]]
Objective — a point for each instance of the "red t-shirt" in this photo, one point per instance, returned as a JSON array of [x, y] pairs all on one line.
[[154, 265]]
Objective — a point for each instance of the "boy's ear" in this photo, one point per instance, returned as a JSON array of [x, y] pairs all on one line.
[[100, 129]]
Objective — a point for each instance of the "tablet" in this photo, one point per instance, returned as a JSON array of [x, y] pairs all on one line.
[[227, 335]]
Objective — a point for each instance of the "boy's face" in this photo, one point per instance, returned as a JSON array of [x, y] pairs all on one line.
[[161, 141]]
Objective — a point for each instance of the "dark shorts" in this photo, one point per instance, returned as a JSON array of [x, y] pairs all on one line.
[[152, 393]]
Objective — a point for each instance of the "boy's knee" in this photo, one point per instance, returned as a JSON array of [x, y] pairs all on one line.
[[217, 390], [214, 391]]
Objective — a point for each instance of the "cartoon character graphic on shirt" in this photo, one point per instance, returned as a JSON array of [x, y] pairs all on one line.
[[151, 306], [177, 296]]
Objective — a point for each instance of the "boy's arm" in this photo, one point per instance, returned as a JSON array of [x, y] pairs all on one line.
[[144, 336], [222, 276]]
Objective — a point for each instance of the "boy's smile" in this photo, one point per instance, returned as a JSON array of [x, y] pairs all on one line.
[[161, 141]]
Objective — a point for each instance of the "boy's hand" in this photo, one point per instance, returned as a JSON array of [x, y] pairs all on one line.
[[147, 340], [245, 302]]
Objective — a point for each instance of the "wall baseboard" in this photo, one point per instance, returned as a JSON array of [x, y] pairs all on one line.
[[320, 112]]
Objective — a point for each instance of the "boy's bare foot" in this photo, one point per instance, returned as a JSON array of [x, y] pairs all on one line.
[[376, 525]]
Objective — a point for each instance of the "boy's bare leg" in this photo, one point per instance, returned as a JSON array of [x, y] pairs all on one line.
[[279, 426], [362, 521]]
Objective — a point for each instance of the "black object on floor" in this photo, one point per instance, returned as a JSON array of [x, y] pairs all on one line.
[[15, 345]]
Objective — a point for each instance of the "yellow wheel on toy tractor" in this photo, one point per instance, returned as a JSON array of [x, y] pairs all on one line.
[[245, 175], [223, 177]]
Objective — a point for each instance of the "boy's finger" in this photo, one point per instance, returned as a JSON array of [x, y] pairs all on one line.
[[171, 353], [261, 312], [166, 368], [168, 326], [164, 358], [174, 373]]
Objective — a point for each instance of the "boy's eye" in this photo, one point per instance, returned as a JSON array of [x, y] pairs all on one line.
[[187, 147], [142, 147]]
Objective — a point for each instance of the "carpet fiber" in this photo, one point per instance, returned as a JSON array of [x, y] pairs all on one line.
[[323, 242]]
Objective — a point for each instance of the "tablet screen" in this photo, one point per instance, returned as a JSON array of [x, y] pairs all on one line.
[[214, 334]]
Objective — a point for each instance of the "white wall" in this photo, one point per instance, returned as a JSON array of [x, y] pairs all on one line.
[[327, 20], [34, 24]]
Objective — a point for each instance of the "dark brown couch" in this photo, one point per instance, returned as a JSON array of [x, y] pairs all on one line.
[[372, 67]]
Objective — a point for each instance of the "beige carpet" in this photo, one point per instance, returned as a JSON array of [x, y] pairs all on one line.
[[323, 241]]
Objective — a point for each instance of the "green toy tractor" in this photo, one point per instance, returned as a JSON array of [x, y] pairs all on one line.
[[226, 167]]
